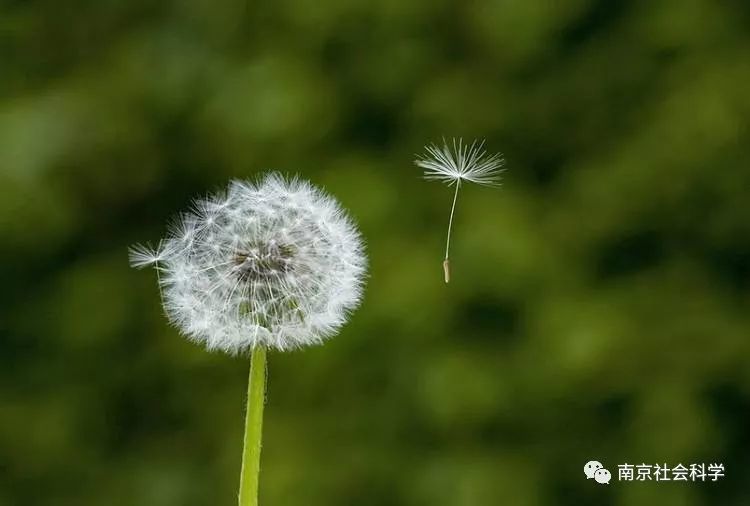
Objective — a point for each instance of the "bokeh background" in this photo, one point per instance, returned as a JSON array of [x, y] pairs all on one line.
[[599, 306]]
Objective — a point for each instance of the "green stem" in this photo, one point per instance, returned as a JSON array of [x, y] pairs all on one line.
[[256, 397]]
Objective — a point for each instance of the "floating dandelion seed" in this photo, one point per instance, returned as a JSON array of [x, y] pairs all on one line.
[[277, 264], [453, 164]]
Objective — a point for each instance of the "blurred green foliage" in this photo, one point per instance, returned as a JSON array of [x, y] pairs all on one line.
[[599, 306]]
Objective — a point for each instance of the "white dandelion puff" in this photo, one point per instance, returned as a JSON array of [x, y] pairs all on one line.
[[277, 264], [457, 162]]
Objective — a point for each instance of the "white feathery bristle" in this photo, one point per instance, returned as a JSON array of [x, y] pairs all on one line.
[[143, 255], [276, 263], [457, 162]]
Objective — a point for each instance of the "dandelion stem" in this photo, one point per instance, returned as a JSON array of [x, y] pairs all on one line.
[[446, 262], [256, 397]]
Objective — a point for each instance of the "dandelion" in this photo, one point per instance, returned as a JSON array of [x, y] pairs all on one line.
[[453, 164], [277, 264]]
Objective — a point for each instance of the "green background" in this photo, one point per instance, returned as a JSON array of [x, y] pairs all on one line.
[[599, 302]]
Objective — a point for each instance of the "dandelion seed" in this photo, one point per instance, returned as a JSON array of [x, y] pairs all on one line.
[[144, 256], [455, 163]]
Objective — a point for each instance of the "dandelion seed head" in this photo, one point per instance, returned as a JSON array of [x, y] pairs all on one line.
[[457, 161], [276, 263]]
